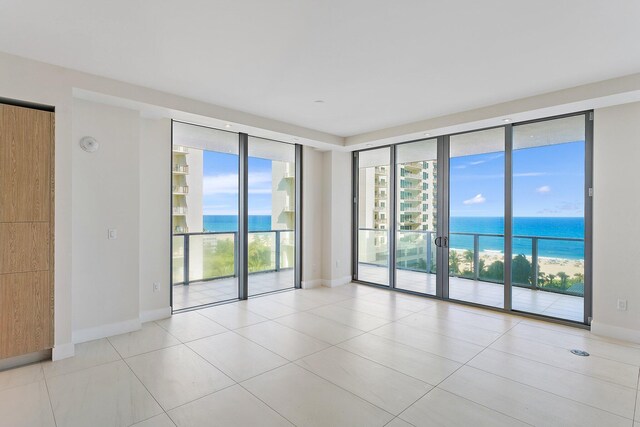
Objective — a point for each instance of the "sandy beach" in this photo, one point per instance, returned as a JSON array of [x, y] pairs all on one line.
[[547, 265]]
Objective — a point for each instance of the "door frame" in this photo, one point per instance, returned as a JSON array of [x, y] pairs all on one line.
[[442, 253]]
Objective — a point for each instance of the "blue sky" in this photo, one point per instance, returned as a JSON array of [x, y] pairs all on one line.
[[548, 181], [220, 187]]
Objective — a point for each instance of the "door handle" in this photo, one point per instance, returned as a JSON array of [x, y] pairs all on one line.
[[445, 242], [438, 242]]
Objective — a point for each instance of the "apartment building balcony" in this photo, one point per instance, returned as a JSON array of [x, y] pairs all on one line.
[[537, 286], [180, 169], [411, 210], [179, 210], [413, 167], [205, 265], [180, 149], [381, 170], [180, 189], [408, 174]]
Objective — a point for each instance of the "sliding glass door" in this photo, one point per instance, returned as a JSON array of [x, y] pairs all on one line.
[[272, 213], [374, 207], [417, 216], [204, 215], [476, 217], [235, 225], [548, 266], [498, 217]]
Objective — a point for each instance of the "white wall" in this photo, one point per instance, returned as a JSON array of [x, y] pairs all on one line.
[[312, 217], [337, 205], [326, 202], [106, 190], [616, 221], [155, 223]]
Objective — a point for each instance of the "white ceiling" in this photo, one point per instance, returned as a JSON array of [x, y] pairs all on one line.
[[375, 63]]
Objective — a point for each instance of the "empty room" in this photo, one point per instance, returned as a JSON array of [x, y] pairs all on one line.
[[319, 213]]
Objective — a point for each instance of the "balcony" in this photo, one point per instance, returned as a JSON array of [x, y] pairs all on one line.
[[413, 167], [180, 190], [407, 174], [180, 169], [205, 265], [552, 286], [179, 210], [180, 149]]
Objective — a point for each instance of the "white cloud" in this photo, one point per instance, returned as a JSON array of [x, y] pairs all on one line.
[[259, 183], [477, 199], [543, 190], [530, 174]]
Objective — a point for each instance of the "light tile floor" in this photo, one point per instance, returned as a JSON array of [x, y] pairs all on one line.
[[214, 291], [346, 356], [486, 293]]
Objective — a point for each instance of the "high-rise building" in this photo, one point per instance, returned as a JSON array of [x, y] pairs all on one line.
[[416, 196]]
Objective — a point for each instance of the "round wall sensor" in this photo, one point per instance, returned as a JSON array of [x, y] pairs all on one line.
[[89, 144]]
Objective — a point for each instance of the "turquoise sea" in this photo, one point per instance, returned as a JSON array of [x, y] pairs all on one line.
[[567, 227], [230, 222]]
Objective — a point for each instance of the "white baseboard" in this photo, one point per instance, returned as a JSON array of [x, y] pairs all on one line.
[[62, 351], [157, 314], [308, 284], [617, 332], [103, 331], [332, 283]]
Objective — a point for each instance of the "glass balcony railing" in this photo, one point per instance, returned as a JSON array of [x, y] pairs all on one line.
[[213, 255], [543, 263]]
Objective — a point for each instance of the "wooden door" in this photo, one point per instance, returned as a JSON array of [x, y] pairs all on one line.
[[26, 230]]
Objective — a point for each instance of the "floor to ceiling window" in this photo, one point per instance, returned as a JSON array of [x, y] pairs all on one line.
[[272, 214], [476, 217], [417, 216], [548, 267], [373, 211], [498, 217], [216, 255]]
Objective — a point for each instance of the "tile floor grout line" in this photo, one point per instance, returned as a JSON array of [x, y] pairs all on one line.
[[590, 337], [437, 386], [635, 410], [541, 341], [390, 367], [564, 369], [145, 387], [548, 344], [549, 392], [46, 384], [344, 389], [267, 405]]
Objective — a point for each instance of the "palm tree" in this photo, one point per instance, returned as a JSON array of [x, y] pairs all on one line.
[[454, 263], [468, 258], [563, 279]]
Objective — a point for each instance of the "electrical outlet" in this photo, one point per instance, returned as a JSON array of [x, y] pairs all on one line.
[[112, 233], [622, 305], [156, 286]]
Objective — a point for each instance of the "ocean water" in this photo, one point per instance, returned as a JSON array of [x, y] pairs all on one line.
[[522, 226], [230, 222]]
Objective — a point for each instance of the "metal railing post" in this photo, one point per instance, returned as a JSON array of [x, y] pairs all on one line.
[[235, 254], [186, 259], [277, 250], [476, 256], [429, 254], [534, 262]]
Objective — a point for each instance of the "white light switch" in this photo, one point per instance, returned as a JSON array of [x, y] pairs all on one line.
[[113, 234]]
